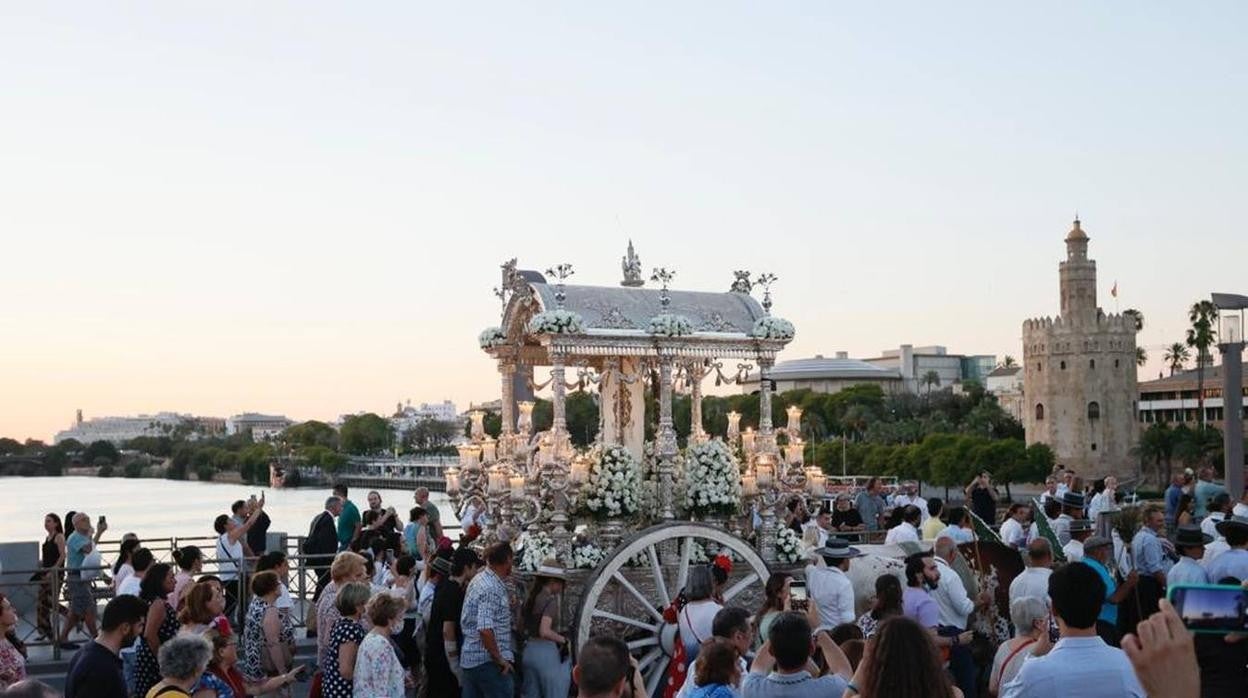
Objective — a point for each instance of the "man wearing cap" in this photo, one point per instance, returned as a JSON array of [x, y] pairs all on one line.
[[1097, 552], [830, 591], [443, 635], [1080, 530], [1233, 562], [1072, 508], [1190, 542]]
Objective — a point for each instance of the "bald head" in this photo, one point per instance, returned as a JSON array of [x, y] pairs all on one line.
[[945, 548], [1039, 553]]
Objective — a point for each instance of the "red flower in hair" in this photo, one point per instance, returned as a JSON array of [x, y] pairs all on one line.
[[724, 563]]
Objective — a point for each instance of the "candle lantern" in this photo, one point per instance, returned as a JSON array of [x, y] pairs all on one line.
[[465, 455], [764, 473], [524, 423], [452, 480], [734, 426], [580, 471], [478, 424], [749, 485], [517, 487], [795, 419], [489, 450], [497, 482], [793, 451], [747, 440]]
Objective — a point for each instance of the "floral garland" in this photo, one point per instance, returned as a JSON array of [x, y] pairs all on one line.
[[557, 322], [772, 327], [538, 547], [491, 337], [789, 548], [587, 556], [669, 325], [614, 484], [713, 483]]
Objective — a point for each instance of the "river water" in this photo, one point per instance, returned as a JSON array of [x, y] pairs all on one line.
[[162, 508]]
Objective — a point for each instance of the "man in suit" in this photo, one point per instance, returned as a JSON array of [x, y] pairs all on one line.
[[323, 541]]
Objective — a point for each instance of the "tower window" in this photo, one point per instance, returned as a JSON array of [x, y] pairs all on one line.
[[1091, 363], [1115, 363], [1063, 366], [1093, 447], [1094, 410], [1039, 366], [1039, 412]]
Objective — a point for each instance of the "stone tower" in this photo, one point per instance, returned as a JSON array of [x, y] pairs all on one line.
[[1079, 381]]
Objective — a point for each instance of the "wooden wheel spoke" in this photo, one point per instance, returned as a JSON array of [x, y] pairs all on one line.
[[659, 583], [599, 613], [660, 670], [622, 581], [686, 551], [643, 642], [649, 658], [740, 586]]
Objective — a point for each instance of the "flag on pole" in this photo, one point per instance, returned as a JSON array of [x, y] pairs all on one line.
[[1114, 291]]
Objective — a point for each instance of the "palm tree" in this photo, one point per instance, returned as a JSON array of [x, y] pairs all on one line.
[[1136, 316], [929, 379], [1141, 357], [1201, 335], [1007, 362], [1176, 356]]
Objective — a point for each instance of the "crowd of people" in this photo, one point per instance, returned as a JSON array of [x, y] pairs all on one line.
[[400, 609]]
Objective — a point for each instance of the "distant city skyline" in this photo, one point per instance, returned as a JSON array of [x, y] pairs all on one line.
[[300, 208]]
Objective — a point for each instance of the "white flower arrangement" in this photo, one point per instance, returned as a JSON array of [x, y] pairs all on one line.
[[557, 322], [789, 547], [650, 502], [772, 327], [669, 325], [587, 556], [538, 547], [491, 337], [614, 484], [713, 479]]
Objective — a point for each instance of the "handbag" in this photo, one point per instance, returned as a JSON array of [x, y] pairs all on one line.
[[266, 658]]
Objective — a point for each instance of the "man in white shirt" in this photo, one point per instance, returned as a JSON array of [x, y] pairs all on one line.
[[908, 529], [1080, 530], [956, 607], [910, 495], [1080, 665], [830, 592], [1072, 508], [141, 559], [1050, 489], [1219, 509], [1013, 532], [1103, 500], [1034, 581], [821, 524]]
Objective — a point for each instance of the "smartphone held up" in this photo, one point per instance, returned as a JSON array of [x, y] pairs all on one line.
[[1211, 608]]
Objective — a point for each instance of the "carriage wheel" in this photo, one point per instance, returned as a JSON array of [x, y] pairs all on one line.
[[626, 599]]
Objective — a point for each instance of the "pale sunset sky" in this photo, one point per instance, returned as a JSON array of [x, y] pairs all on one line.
[[300, 207]]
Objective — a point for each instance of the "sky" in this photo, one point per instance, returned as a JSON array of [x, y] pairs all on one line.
[[300, 207]]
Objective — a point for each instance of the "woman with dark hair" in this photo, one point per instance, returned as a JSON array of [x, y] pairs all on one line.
[[190, 563], [777, 593], [887, 604], [1183, 513], [160, 627], [901, 661], [123, 567], [12, 656], [51, 554], [202, 607], [547, 668], [268, 650]]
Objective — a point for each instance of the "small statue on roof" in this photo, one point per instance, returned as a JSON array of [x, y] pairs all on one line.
[[631, 264], [742, 283]]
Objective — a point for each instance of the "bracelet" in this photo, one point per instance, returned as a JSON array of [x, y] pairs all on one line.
[[849, 686]]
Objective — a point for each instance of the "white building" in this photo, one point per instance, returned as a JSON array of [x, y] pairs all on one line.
[[406, 417], [1006, 384], [119, 429], [826, 375], [914, 363], [262, 426]]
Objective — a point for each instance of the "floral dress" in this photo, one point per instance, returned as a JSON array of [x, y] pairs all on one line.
[[377, 669], [333, 685], [12, 664], [146, 667]]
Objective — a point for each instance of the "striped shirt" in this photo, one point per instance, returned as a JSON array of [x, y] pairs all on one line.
[[486, 607]]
